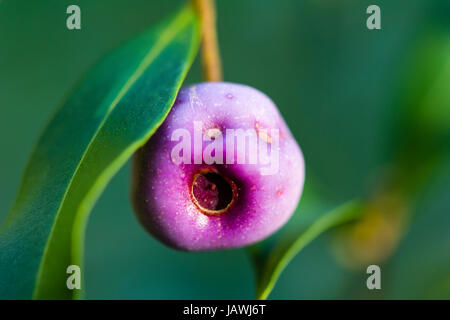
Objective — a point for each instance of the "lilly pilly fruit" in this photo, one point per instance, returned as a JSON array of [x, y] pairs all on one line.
[[222, 171]]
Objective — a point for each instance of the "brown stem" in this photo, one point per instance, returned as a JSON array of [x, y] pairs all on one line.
[[212, 67]]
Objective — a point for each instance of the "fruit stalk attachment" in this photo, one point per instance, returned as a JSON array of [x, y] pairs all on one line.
[[212, 67]]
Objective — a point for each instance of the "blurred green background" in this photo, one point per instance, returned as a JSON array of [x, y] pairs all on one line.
[[337, 84]]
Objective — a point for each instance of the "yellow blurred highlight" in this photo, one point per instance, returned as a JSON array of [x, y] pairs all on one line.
[[373, 238]]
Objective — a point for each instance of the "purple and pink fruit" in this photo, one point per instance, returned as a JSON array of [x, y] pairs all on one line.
[[222, 171]]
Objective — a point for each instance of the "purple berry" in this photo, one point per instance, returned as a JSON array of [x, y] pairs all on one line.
[[222, 171]]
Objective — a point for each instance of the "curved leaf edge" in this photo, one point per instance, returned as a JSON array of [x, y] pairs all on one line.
[[84, 210], [106, 175], [285, 251]]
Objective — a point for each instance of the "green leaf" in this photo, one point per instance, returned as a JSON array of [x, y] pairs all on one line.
[[425, 97], [271, 256], [113, 112]]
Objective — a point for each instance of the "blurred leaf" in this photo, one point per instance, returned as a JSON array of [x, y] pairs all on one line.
[[428, 97], [270, 257], [113, 112], [420, 136], [422, 127]]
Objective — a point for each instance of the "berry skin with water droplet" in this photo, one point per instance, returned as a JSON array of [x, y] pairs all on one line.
[[209, 205]]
